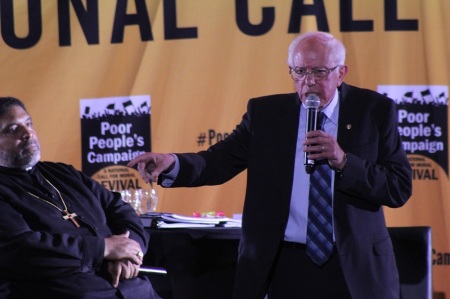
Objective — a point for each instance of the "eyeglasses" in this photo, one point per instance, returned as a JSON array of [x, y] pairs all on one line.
[[318, 73]]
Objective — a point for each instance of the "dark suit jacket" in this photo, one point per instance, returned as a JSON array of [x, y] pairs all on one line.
[[377, 174]]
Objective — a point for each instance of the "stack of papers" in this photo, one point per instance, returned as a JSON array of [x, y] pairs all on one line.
[[167, 220]]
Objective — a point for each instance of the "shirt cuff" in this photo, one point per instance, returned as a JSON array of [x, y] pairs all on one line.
[[168, 178]]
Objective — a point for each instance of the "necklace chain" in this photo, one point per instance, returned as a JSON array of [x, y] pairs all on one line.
[[49, 202], [67, 215]]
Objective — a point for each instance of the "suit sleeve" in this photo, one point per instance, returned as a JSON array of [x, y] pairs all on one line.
[[220, 163], [382, 177]]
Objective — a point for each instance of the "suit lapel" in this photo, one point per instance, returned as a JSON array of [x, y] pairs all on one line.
[[345, 117]]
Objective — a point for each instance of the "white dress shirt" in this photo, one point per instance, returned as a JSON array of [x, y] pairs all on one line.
[[298, 212]]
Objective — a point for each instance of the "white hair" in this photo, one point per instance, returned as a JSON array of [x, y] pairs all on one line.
[[323, 38]]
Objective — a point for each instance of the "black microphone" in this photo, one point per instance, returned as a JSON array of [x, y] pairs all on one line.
[[312, 104]]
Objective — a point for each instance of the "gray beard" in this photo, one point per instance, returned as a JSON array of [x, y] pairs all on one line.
[[19, 161]]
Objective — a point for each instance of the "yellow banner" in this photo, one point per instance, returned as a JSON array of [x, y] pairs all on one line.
[[201, 60]]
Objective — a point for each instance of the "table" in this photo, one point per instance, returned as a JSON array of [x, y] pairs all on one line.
[[200, 262]]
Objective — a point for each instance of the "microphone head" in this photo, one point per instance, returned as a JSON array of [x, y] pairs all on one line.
[[312, 101]]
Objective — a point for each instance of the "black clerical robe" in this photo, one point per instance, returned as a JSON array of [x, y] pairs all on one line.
[[43, 255]]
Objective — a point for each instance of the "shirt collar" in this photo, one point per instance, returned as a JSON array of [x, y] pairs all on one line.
[[332, 109], [9, 170]]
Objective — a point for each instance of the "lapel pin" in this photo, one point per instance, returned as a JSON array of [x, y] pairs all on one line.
[[348, 126]]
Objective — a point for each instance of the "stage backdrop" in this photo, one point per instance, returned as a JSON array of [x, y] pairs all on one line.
[[199, 61]]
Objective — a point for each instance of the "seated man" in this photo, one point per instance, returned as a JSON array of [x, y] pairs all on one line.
[[62, 235]]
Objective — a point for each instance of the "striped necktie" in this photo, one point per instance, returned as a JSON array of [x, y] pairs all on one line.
[[319, 237]]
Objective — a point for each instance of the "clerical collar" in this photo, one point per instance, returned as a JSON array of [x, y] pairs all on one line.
[[10, 170]]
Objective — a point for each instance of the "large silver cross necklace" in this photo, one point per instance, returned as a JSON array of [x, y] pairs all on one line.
[[67, 215]]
